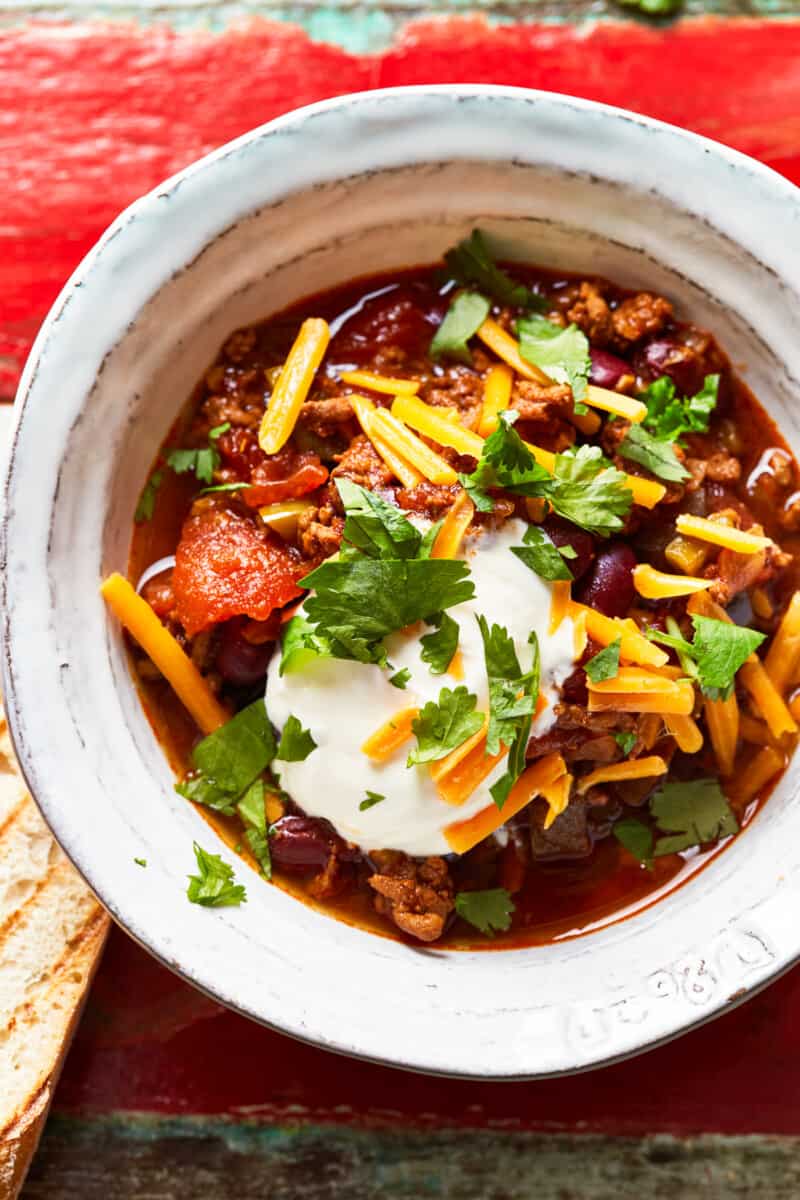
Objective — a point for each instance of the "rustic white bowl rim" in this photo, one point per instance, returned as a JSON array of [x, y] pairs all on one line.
[[326, 983]]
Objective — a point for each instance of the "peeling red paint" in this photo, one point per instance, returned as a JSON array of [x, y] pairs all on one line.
[[92, 116]]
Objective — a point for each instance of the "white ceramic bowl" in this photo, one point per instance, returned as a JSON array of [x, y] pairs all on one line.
[[361, 184]]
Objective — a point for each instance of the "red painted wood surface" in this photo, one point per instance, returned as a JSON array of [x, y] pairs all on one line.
[[92, 116]]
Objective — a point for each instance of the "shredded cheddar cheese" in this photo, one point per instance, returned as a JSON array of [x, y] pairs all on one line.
[[507, 348], [456, 787], [722, 719], [293, 384], [496, 397], [444, 766], [381, 383], [633, 680], [557, 796], [402, 470], [411, 448], [634, 768], [456, 668], [686, 731], [463, 835], [559, 604], [382, 744], [634, 648], [436, 424], [783, 657], [616, 403], [158, 643], [681, 702], [454, 527], [767, 699], [707, 530], [658, 585], [760, 770]]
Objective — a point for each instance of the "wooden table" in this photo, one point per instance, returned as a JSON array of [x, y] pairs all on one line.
[[165, 1094]]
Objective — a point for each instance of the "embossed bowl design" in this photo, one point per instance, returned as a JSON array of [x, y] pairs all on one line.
[[368, 183]]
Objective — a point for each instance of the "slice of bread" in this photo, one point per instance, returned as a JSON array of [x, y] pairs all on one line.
[[52, 931]]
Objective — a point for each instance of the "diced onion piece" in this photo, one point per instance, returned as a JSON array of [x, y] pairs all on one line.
[[282, 517], [616, 403], [682, 703], [767, 699], [437, 424], [381, 383], [457, 786], [411, 448], [783, 657], [455, 525], [463, 835], [741, 541], [382, 744], [559, 604], [646, 492], [722, 719], [557, 796], [686, 555], [293, 384], [686, 731], [634, 647], [496, 397], [754, 731], [402, 470], [443, 766], [658, 585], [456, 668], [507, 348], [633, 680], [634, 768], [760, 770], [172, 661]]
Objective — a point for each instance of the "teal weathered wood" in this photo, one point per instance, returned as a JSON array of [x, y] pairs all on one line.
[[133, 1158]]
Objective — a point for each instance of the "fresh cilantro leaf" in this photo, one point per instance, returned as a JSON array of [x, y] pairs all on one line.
[[489, 911], [225, 487], [213, 886], [506, 462], [605, 664], [204, 462], [301, 644], [626, 740], [147, 501], [140, 862], [562, 353], [372, 799], [657, 456], [376, 529], [444, 724], [542, 556], [466, 314], [470, 262], [357, 603], [510, 699], [716, 653], [694, 812], [636, 837], [228, 760], [517, 755], [438, 648], [400, 678], [296, 743], [252, 810], [669, 416], [589, 493]]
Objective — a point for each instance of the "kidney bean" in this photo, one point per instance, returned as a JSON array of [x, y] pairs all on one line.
[[563, 533], [301, 844], [609, 588], [607, 370], [240, 661], [574, 690], [404, 317], [668, 356]]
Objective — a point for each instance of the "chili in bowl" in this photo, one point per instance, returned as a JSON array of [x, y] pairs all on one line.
[[399, 564]]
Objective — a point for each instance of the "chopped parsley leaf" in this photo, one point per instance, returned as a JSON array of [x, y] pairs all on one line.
[[471, 262], [657, 456], [464, 317], [230, 759], [444, 724], [562, 353], [253, 811], [296, 742], [669, 415], [515, 764], [374, 528], [372, 799], [716, 653], [510, 696], [213, 886], [140, 862], [400, 678], [147, 501], [489, 911], [438, 648], [605, 664], [693, 812], [542, 556], [636, 837]]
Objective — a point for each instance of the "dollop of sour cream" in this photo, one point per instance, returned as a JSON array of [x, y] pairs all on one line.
[[343, 702]]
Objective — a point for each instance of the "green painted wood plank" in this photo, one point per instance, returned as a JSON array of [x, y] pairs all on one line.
[[144, 1158]]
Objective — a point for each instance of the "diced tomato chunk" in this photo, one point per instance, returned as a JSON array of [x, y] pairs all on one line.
[[286, 475], [226, 567]]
